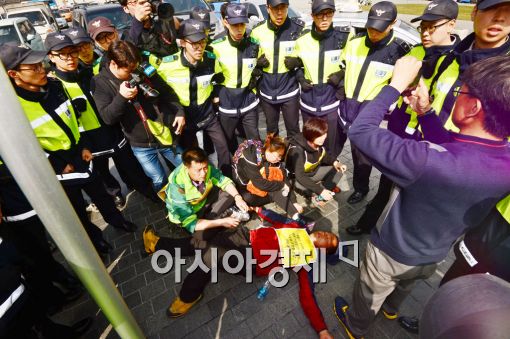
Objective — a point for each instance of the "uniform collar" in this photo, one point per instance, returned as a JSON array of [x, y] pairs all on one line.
[[238, 44], [380, 44], [66, 76], [467, 56], [275, 28], [493, 144], [321, 35], [29, 95]]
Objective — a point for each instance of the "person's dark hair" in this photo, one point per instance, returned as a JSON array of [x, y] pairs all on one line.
[[123, 3], [314, 128], [274, 143], [124, 53], [194, 154], [489, 81]]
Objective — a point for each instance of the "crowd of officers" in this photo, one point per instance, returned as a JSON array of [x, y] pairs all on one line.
[[157, 84]]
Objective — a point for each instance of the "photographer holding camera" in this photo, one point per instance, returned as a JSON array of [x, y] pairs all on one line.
[[128, 93], [154, 27]]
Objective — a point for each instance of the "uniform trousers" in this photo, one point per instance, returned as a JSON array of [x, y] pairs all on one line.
[[249, 121], [375, 208], [290, 112], [362, 170]]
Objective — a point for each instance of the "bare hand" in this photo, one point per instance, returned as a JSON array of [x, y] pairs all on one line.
[[419, 100], [405, 72], [127, 92], [243, 206], [324, 334], [179, 122], [86, 155], [142, 10], [339, 166], [68, 169], [230, 222], [327, 195]]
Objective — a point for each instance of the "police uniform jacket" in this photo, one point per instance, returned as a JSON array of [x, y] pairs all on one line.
[[320, 54], [237, 60], [368, 68], [193, 84], [277, 84]]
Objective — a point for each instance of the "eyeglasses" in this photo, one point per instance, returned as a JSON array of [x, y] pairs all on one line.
[[197, 44], [102, 37], [430, 29], [325, 14], [38, 68], [456, 92], [67, 56]]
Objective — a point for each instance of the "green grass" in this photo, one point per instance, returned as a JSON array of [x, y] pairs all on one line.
[[417, 9]]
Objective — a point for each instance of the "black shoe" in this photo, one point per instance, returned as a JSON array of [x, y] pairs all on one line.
[[356, 197], [120, 202], [102, 246], [127, 226], [411, 324], [81, 327], [73, 295], [355, 230]]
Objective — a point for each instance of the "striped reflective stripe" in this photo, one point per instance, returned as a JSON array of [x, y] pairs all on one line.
[[19, 217], [63, 108], [11, 300], [73, 176], [242, 110], [323, 108], [280, 97]]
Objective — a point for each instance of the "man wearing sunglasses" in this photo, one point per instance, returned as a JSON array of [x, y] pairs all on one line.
[[436, 26], [192, 74], [52, 117]]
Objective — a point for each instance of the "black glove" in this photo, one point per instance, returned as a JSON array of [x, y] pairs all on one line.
[[340, 93], [79, 105], [305, 84], [262, 62], [257, 72], [292, 63], [253, 82], [335, 78], [218, 78]]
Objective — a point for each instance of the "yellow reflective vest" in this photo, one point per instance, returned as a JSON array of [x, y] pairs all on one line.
[[88, 119]]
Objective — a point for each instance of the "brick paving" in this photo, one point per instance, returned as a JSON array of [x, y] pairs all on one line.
[[230, 308]]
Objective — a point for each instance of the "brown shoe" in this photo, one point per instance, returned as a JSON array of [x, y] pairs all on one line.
[[150, 239], [180, 308]]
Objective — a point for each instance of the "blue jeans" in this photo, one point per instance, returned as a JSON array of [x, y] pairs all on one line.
[[148, 158]]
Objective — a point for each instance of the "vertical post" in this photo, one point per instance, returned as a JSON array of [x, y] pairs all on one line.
[[22, 153]]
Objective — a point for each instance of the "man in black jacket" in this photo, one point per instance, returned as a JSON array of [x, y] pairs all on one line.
[[119, 103]]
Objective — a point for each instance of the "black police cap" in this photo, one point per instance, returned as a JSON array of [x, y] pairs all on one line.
[[439, 9]]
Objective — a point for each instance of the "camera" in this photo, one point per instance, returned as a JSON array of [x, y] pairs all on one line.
[[161, 9], [143, 71]]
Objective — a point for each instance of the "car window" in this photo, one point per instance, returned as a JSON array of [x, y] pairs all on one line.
[[184, 6], [35, 17], [25, 29], [8, 34], [117, 16]]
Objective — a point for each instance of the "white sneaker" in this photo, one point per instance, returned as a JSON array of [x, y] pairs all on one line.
[[92, 208]]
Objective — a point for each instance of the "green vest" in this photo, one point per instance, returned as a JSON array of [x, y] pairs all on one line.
[[88, 120], [227, 56], [96, 66], [308, 50], [266, 37], [373, 79], [177, 76], [49, 134]]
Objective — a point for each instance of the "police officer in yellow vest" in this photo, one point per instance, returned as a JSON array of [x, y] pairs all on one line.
[[436, 26], [318, 52], [104, 141], [192, 73], [85, 46], [278, 88], [491, 25], [237, 54], [369, 59], [51, 115]]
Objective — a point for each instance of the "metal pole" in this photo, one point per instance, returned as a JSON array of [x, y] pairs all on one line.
[[22, 153]]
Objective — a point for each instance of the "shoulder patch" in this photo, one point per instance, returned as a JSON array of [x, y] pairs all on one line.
[[170, 58], [342, 29], [254, 40], [304, 32], [298, 21], [258, 24], [217, 41], [210, 54]]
